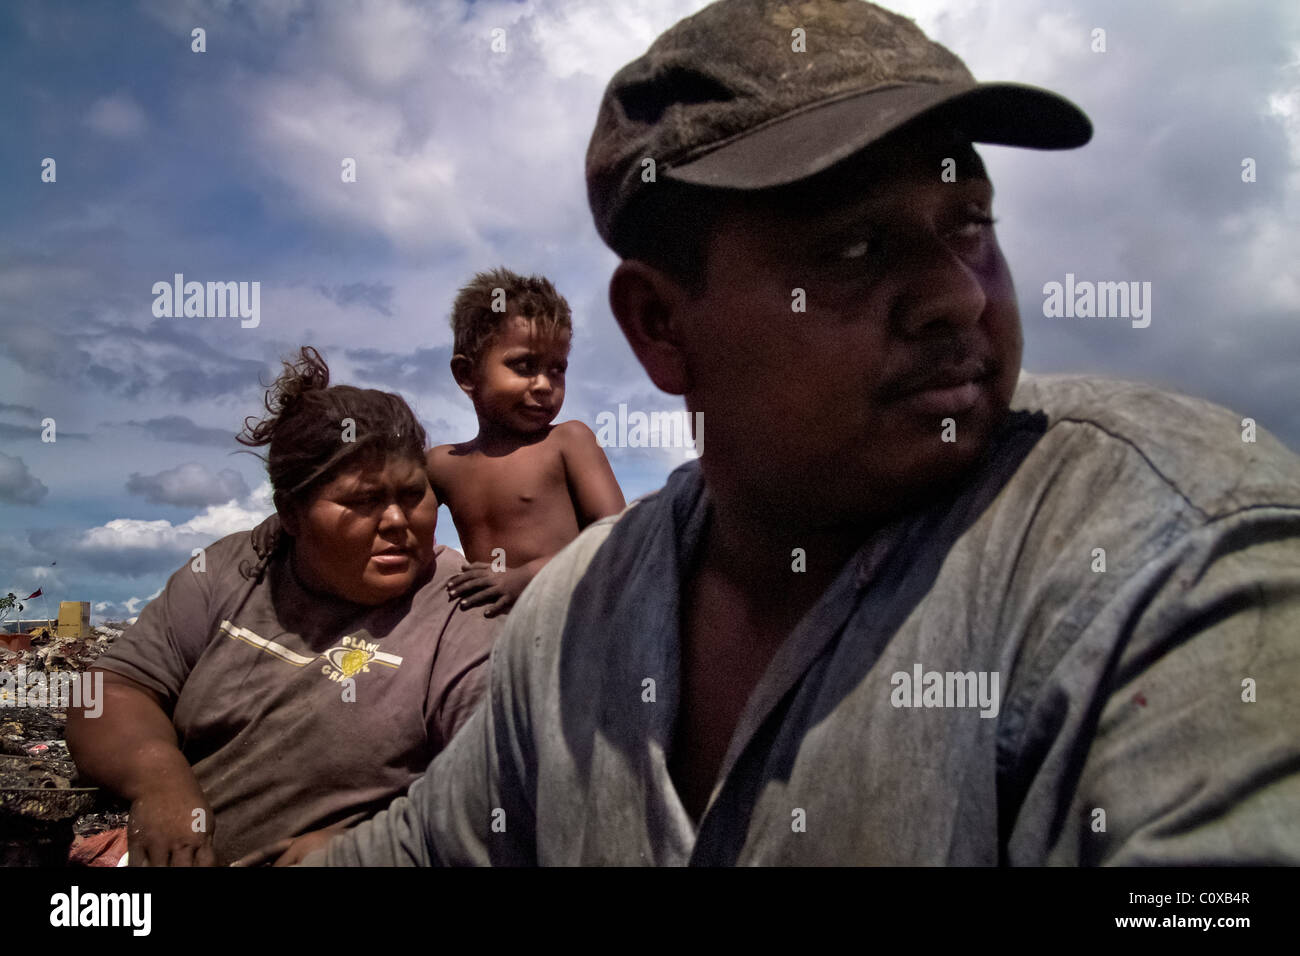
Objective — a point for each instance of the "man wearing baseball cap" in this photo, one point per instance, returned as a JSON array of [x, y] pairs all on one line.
[[909, 606]]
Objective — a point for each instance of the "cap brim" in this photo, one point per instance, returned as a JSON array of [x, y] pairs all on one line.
[[805, 143]]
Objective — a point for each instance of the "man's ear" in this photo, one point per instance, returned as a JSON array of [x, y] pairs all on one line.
[[650, 308], [462, 370]]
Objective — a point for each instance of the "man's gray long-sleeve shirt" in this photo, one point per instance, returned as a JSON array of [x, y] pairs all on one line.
[[1122, 563]]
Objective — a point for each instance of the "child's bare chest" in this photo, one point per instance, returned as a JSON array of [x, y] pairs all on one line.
[[500, 487]]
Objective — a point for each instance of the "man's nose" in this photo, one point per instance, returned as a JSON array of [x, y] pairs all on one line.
[[541, 383], [942, 292]]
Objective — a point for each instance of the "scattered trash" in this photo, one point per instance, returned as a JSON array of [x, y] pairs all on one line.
[[101, 820], [105, 848], [45, 652], [16, 643], [43, 805]]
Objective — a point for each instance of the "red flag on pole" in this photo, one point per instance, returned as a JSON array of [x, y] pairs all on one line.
[[36, 593]]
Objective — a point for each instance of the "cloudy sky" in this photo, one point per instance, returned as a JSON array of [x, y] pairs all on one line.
[[225, 165]]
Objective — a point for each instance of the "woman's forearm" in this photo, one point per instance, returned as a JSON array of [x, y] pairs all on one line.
[[131, 746]]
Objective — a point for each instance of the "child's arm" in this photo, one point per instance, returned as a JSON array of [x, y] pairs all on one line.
[[434, 459], [592, 484], [595, 493]]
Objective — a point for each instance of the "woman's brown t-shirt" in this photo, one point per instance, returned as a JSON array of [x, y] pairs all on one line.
[[298, 710]]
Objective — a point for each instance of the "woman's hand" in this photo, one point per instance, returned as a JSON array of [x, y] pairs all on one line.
[[171, 826]]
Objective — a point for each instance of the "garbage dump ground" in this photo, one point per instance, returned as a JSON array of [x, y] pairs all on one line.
[[46, 811]]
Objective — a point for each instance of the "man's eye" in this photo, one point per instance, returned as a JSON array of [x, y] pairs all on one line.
[[855, 251], [975, 225]]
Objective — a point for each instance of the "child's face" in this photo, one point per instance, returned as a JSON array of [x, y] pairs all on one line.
[[519, 378]]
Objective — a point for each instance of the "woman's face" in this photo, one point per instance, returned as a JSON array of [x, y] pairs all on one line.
[[367, 534]]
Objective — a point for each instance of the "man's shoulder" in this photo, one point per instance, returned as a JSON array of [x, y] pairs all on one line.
[[1218, 460]]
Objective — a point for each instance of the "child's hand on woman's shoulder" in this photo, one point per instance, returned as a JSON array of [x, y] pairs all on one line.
[[478, 584]]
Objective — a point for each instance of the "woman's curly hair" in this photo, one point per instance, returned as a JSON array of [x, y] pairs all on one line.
[[312, 428]]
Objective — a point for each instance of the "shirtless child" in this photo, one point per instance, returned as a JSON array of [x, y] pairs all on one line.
[[522, 488]]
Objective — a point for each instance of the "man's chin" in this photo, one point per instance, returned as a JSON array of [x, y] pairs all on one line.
[[878, 496], [940, 463]]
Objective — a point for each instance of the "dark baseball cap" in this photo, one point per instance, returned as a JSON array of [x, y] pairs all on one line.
[[727, 99]]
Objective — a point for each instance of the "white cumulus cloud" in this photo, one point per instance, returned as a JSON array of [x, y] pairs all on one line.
[[133, 546]]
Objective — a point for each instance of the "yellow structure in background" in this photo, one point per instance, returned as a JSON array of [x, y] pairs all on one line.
[[74, 619]]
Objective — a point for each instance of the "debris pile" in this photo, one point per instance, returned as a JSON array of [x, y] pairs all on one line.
[[43, 804], [47, 652]]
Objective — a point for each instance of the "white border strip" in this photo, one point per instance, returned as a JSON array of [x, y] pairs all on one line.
[[262, 644]]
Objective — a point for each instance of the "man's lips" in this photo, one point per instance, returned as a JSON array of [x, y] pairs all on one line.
[[941, 378], [946, 390], [393, 556]]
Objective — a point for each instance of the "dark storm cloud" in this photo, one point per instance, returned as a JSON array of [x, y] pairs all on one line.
[[122, 360], [9, 432], [178, 428], [19, 411], [190, 485], [18, 485]]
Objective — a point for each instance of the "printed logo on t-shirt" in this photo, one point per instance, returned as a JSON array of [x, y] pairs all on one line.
[[354, 655], [351, 656]]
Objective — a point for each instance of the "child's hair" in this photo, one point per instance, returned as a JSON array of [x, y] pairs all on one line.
[[305, 427], [474, 322]]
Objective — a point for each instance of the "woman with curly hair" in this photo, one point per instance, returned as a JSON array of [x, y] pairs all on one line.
[[292, 680]]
